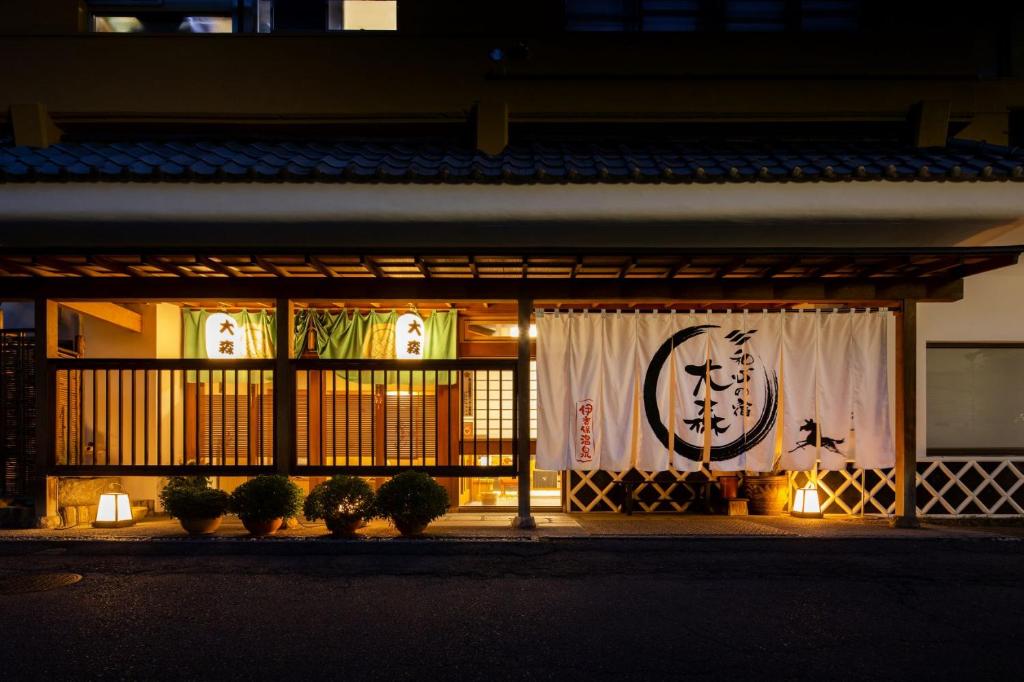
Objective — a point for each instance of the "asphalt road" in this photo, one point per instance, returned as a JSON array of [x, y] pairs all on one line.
[[710, 609]]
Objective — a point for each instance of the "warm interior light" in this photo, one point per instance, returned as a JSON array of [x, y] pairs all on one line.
[[225, 338], [410, 337], [806, 503], [370, 15], [514, 331], [114, 511]]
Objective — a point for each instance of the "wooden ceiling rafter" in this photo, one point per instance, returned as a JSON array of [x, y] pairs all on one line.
[[837, 267]]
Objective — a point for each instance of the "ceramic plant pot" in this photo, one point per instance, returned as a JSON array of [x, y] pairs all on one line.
[[410, 529], [767, 495], [344, 528], [260, 528], [201, 526]]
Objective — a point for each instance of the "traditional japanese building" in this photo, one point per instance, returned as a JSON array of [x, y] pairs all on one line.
[[575, 255]]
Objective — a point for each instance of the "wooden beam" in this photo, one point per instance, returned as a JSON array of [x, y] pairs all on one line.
[[46, 322], [931, 123], [492, 289], [523, 519], [491, 125], [32, 125], [906, 416], [270, 267], [421, 266], [217, 266], [319, 266], [371, 267], [113, 265], [113, 313], [284, 387]]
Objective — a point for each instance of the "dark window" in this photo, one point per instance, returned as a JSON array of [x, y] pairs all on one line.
[[300, 15], [712, 15], [830, 15], [632, 15], [755, 15], [1017, 128]]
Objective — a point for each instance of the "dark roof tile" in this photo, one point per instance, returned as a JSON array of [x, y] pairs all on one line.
[[412, 160]]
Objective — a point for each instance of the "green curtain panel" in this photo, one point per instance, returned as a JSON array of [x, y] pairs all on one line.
[[259, 339], [353, 335], [258, 326], [441, 330]]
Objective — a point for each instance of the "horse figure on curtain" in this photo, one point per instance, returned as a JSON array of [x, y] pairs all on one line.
[[828, 443]]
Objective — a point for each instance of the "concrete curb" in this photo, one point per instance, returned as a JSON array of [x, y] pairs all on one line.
[[453, 546]]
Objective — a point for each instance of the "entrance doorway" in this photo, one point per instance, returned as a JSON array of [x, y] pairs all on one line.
[[502, 491]]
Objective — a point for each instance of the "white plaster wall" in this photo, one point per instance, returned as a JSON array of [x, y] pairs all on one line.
[[992, 309]]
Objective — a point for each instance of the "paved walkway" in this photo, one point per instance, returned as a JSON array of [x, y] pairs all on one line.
[[497, 526]]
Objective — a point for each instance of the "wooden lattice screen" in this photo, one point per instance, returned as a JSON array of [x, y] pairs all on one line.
[[17, 410]]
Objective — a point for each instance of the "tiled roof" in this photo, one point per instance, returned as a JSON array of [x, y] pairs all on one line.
[[364, 160]]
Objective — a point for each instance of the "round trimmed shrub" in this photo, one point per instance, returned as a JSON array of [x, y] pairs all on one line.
[[191, 497], [342, 502], [266, 498], [411, 500]]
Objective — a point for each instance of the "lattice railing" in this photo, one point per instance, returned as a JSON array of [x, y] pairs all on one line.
[[971, 486], [950, 486], [663, 491]]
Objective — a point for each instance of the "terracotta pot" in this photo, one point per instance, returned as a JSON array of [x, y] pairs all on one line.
[[201, 526], [728, 486], [344, 528], [410, 529], [767, 494], [260, 528]]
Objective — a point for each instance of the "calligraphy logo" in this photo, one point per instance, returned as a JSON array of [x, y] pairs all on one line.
[[742, 368], [584, 430], [827, 442]]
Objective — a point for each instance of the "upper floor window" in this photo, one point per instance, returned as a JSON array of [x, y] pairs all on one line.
[[163, 16], [242, 16], [712, 15]]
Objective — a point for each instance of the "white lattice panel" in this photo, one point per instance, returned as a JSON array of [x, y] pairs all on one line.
[[950, 486]]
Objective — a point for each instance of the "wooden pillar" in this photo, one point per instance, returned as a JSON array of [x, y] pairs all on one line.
[[906, 416], [523, 518], [43, 488], [284, 388]]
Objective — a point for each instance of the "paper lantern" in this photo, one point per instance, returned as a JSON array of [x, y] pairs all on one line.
[[114, 511], [806, 503], [225, 338], [410, 337]]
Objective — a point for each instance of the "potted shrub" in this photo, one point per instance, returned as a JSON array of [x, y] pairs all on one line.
[[767, 492], [343, 502], [198, 507], [411, 500], [264, 502]]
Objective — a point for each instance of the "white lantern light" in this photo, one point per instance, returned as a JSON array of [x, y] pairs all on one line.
[[410, 337], [114, 511], [806, 503], [225, 338]]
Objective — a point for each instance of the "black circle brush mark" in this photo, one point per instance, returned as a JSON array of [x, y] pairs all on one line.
[[719, 453]]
